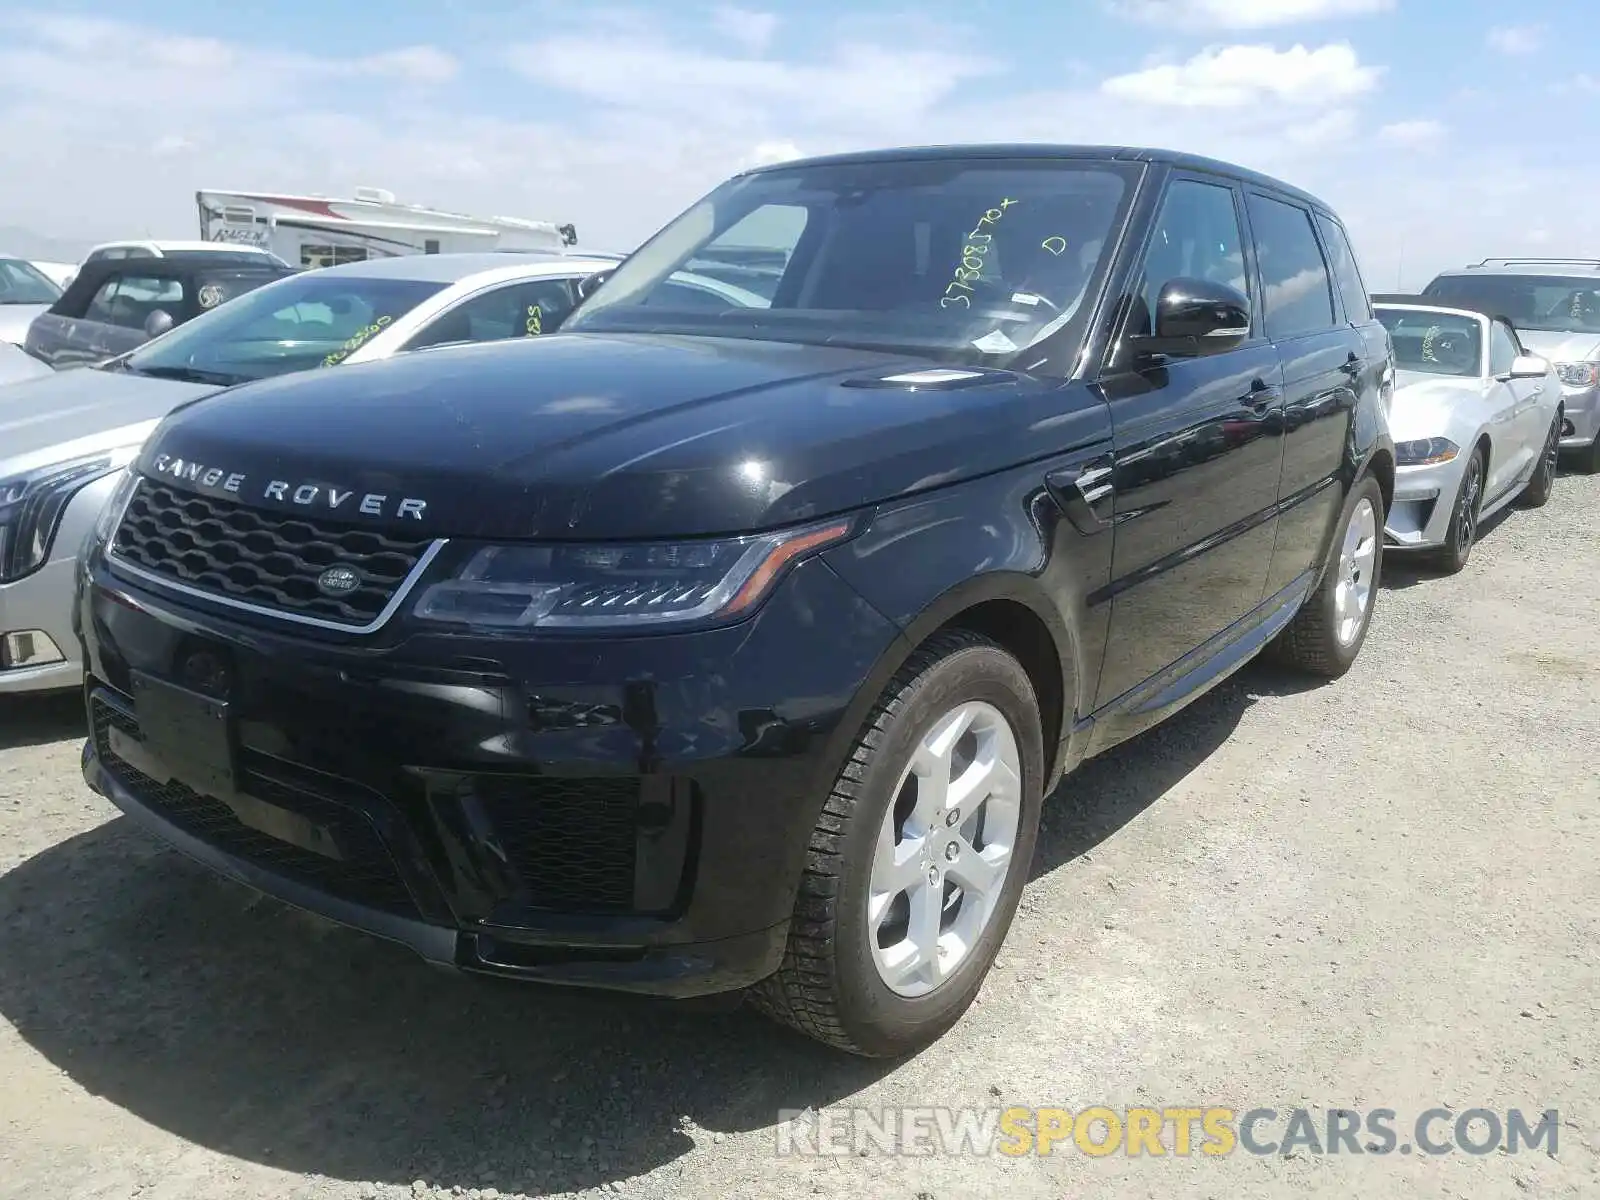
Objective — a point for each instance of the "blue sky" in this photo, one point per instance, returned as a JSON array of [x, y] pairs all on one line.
[[1442, 130]]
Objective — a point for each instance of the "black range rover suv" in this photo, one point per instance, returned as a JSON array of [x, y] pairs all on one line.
[[703, 647]]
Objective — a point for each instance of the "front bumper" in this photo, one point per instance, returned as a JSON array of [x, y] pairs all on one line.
[[625, 813], [1419, 518], [36, 623], [1580, 422]]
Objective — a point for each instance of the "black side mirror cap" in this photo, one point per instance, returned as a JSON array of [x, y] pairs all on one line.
[[1196, 318]]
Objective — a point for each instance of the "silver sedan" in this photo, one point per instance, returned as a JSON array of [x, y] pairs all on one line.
[[1476, 423]]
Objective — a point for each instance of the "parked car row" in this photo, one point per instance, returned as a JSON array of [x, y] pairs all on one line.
[[727, 633]]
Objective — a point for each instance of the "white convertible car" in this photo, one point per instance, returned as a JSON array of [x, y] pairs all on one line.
[[1476, 423]]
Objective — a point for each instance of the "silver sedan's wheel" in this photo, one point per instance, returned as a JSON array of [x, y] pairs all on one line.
[[945, 849], [1358, 569]]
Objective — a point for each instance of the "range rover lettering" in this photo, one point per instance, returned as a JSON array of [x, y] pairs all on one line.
[[735, 649]]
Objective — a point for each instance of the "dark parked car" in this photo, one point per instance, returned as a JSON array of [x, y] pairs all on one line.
[[686, 650], [116, 305]]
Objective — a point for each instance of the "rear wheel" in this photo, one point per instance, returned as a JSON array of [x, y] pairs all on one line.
[[1589, 457], [919, 857], [1327, 633], [1468, 507], [1537, 493]]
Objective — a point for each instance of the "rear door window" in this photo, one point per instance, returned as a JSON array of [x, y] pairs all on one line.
[[1297, 289], [138, 296]]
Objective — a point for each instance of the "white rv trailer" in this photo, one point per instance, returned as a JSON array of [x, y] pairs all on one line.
[[323, 231]]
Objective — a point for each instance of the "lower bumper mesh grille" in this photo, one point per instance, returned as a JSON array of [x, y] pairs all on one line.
[[366, 874]]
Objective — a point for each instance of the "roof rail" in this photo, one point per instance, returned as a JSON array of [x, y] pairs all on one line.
[[1517, 262]]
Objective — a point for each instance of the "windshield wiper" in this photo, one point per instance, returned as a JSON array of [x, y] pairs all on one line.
[[186, 375]]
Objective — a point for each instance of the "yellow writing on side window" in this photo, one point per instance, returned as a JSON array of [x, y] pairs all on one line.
[[957, 292], [355, 341], [535, 320]]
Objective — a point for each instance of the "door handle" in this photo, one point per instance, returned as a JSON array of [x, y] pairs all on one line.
[[1260, 395]]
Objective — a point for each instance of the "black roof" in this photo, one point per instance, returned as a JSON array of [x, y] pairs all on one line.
[[1037, 150]]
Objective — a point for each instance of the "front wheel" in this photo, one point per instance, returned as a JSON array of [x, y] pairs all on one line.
[[917, 862], [1537, 493], [1462, 534], [1328, 632]]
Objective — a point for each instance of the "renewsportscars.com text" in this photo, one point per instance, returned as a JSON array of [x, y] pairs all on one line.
[[1180, 1130]]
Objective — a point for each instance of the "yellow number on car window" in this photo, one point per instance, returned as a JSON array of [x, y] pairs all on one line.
[[535, 320]]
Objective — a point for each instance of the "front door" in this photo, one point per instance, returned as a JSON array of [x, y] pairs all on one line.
[[1196, 456]]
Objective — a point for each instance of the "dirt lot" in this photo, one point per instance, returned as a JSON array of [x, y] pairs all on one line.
[[1380, 893]]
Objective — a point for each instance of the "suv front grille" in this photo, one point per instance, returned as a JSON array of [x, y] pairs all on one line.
[[261, 558], [367, 875], [571, 842]]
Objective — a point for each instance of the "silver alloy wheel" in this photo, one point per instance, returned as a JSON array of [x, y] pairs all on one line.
[[945, 849], [1358, 559]]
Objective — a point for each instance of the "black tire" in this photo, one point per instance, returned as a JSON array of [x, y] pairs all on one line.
[[1465, 510], [1312, 641], [828, 986], [1537, 493], [1588, 459]]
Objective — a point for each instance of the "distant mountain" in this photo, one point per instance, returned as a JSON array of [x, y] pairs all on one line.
[[24, 243]]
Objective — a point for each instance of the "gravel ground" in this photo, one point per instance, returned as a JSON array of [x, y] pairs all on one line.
[[1380, 893]]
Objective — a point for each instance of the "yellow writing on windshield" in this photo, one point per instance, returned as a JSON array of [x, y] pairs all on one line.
[[958, 292], [1056, 245], [355, 341]]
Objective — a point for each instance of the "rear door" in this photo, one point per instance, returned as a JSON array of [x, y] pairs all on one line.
[[1324, 361]]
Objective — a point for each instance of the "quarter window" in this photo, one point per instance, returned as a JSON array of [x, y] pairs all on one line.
[[1196, 237], [1297, 291], [1352, 289]]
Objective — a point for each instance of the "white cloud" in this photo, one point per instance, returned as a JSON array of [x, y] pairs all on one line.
[[100, 145], [1243, 14], [1418, 133], [1516, 39], [752, 30], [1237, 76]]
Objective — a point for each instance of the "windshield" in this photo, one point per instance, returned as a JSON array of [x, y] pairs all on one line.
[[960, 260], [299, 322], [1440, 343], [23, 283], [1559, 304]]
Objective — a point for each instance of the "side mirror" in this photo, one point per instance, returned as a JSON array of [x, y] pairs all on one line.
[[589, 284], [157, 323], [1196, 318], [1528, 366]]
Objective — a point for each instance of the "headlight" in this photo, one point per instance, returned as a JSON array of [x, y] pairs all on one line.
[[608, 585], [31, 505], [1578, 374], [1427, 450], [105, 523]]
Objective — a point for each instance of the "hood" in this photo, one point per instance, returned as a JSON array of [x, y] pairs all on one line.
[[15, 319], [1427, 405], [73, 411], [1561, 347], [588, 435], [17, 364]]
